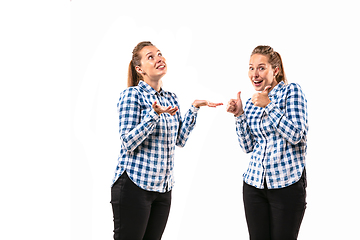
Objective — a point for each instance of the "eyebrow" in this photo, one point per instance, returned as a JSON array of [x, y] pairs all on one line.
[[258, 64], [151, 52]]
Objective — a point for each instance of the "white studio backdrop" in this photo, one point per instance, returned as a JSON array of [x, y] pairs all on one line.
[[61, 140]]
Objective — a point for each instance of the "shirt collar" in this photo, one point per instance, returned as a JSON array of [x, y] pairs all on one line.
[[276, 89], [146, 87]]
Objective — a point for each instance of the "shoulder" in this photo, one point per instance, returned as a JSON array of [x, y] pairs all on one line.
[[130, 93], [293, 87], [294, 94]]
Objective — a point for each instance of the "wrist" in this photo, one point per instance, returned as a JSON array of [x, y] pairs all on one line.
[[266, 104], [158, 113], [239, 113]]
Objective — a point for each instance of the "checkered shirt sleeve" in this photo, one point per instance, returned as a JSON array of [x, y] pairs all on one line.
[[148, 140], [276, 137], [246, 139], [186, 124], [292, 123], [133, 131]]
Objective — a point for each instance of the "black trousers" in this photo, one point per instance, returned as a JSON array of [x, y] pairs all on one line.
[[138, 214], [275, 214]]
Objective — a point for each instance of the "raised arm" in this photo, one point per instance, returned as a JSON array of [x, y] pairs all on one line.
[[245, 138], [188, 123]]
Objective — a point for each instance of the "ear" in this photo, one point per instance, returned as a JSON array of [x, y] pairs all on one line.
[[276, 71], [139, 70]]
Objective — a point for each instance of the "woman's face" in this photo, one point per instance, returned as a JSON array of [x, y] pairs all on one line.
[[261, 73], [153, 65]]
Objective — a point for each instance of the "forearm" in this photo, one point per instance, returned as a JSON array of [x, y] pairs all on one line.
[[186, 126], [245, 138], [292, 129], [133, 135]]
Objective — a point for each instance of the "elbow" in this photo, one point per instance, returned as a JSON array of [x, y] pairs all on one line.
[[180, 144], [297, 138], [247, 150], [127, 148], [126, 145], [247, 147], [294, 141]]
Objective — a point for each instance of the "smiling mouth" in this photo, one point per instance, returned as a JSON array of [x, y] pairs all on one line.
[[162, 66], [258, 82]]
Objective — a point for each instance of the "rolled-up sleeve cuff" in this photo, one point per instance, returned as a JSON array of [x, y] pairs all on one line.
[[194, 109], [240, 118], [151, 118]]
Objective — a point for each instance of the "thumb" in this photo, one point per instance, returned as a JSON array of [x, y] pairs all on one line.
[[238, 95], [267, 89]]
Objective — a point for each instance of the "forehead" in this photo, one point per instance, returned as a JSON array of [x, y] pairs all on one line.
[[257, 59], [148, 49]]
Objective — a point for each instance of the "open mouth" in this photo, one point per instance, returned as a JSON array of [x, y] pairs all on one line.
[[257, 83], [161, 66]]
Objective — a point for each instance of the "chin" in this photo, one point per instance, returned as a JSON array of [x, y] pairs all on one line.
[[162, 72], [258, 89], [160, 75]]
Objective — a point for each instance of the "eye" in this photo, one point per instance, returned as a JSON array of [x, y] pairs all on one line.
[[251, 68], [160, 54], [150, 57], [262, 68]]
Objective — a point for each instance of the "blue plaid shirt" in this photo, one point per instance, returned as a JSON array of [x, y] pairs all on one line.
[[276, 137], [147, 139]]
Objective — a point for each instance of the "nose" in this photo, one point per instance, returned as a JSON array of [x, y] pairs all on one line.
[[159, 59], [254, 74]]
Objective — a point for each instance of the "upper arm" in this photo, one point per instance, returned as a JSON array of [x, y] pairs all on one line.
[[129, 110]]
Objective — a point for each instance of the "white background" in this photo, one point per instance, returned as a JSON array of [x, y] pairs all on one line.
[[63, 66]]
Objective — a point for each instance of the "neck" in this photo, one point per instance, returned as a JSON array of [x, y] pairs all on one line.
[[273, 85], [154, 83]]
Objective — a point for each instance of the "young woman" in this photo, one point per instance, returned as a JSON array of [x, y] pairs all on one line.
[[150, 125], [273, 128]]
